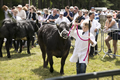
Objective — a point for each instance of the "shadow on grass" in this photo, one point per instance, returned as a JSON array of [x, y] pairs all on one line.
[[117, 63], [16, 56], [45, 73], [107, 59], [93, 58]]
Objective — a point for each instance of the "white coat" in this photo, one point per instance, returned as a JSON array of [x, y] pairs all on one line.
[[95, 25], [81, 47]]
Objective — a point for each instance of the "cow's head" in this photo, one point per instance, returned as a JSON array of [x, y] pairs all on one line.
[[63, 30], [36, 25]]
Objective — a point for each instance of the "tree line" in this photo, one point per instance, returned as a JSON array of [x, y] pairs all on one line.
[[87, 4]]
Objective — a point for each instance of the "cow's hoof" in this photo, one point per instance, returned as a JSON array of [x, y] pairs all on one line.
[[9, 56], [29, 53], [1, 55], [46, 63], [51, 70], [61, 73], [16, 51], [45, 66], [19, 52]]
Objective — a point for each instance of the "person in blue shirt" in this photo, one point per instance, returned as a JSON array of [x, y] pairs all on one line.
[[53, 17], [79, 19], [68, 14]]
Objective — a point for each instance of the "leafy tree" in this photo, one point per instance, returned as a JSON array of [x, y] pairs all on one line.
[[113, 4]]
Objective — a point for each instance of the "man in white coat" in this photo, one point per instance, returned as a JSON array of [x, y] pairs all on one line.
[[95, 27]]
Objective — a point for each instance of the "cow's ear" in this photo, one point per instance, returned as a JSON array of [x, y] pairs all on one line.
[[70, 25], [37, 21], [57, 26]]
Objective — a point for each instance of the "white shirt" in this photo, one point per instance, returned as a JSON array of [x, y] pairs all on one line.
[[22, 14], [6, 13], [95, 25], [40, 18], [86, 17], [17, 18], [75, 16], [81, 47], [63, 19]]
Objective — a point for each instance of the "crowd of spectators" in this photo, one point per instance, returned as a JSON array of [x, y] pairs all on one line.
[[71, 14]]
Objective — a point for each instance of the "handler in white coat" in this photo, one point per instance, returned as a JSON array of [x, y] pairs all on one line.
[[94, 30], [81, 47]]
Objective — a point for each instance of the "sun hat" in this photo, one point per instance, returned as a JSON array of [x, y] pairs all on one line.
[[109, 14], [20, 6]]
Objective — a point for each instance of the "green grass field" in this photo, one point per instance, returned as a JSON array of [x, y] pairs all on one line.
[[30, 66]]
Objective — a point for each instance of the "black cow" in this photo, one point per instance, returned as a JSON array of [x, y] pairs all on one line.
[[55, 41], [16, 30]]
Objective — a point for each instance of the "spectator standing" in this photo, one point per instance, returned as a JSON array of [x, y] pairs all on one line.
[[12, 9], [111, 24], [15, 12], [96, 17], [58, 11], [6, 10], [32, 16], [72, 9], [26, 10], [86, 14], [16, 42], [21, 13], [61, 18], [79, 19], [68, 14], [75, 13], [95, 27], [40, 18], [53, 17], [114, 14], [45, 13], [27, 5], [118, 17]]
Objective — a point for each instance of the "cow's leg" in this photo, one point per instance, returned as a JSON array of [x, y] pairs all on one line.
[[20, 46], [15, 45], [42, 47], [1, 43], [63, 63], [43, 56], [8, 42], [28, 45], [46, 62], [50, 59]]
